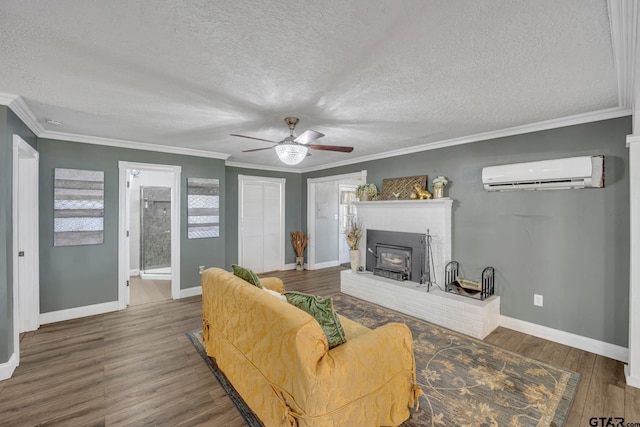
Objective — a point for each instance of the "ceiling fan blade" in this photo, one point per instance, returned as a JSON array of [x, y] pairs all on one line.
[[253, 137], [340, 148], [258, 149], [308, 136]]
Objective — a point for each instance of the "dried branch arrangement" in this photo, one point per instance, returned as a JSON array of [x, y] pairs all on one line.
[[299, 242]]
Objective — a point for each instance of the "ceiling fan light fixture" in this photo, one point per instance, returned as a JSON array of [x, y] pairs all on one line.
[[291, 154]]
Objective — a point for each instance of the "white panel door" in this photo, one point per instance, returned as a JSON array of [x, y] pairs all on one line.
[[261, 223], [272, 240]]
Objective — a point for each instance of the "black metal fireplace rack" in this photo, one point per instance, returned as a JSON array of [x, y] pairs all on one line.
[[451, 272]]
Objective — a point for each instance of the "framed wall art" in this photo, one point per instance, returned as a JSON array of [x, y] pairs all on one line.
[[78, 211], [203, 208]]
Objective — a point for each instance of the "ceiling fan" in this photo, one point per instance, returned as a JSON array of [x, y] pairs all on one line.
[[292, 150]]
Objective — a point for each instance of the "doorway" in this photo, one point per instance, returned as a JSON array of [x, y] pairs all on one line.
[[330, 208], [26, 265], [149, 233], [261, 223], [347, 214]]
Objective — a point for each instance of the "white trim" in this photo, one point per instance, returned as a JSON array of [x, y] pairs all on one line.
[[123, 214], [155, 276], [22, 110], [133, 145], [311, 202], [261, 167], [610, 113], [567, 338], [7, 368], [190, 292], [134, 272], [291, 266], [7, 98], [25, 308], [633, 369], [78, 312], [26, 281], [631, 381], [326, 264], [15, 249], [632, 139], [282, 182], [623, 17]]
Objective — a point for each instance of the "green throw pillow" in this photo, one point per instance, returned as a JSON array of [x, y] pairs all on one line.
[[246, 274], [322, 310]]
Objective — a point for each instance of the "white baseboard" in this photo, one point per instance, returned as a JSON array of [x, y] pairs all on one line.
[[134, 272], [291, 266], [7, 368], [591, 345], [155, 276], [77, 312], [327, 264], [631, 381], [190, 292]]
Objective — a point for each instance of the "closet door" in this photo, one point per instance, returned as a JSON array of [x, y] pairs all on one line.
[[261, 223]]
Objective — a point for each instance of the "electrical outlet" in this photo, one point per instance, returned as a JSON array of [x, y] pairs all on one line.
[[537, 300], [200, 269]]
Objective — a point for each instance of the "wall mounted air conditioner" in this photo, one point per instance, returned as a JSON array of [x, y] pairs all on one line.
[[556, 174]]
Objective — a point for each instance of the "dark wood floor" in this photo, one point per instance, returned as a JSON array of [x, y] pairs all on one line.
[[137, 367]]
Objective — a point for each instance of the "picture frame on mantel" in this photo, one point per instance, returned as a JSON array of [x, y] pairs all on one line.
[[402, 187]]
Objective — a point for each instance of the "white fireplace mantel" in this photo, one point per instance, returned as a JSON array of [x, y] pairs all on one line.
[[412, 216]]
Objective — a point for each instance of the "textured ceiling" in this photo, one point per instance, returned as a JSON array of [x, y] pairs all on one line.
[[378, 75]]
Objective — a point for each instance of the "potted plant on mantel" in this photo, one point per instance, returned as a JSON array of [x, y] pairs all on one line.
[[299, 242], [366, 192], [353, 233]]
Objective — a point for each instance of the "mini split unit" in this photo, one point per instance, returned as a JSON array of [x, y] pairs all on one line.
[[556, 174]]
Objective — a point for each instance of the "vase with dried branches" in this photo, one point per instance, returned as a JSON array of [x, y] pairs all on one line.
[[299, 241], [353, 233]]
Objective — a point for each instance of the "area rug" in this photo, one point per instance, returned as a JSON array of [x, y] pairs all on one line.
[[466, 382]]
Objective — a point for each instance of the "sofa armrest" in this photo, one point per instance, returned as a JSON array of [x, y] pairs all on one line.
[[273, 283], [367, 363]]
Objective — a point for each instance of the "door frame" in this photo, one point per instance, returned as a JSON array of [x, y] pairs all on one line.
[[242, 179], [25, 206], [124, 220], [311, 203]]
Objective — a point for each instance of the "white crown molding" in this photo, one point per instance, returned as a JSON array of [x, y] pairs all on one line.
[[261, 167], [7, 98], [591, 345], [21, 109], [133, 145], [594, 116], [623, 18]]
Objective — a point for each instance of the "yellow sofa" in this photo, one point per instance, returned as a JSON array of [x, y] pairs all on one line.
[[277, 358]]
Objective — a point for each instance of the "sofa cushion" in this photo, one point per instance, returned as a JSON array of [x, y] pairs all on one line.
[[274, 293], [247, 275], [322, 310]]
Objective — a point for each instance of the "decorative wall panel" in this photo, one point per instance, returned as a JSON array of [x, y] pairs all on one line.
[[203, 208], [78, 214]]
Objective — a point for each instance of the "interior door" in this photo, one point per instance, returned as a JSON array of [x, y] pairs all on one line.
[[261, 223]]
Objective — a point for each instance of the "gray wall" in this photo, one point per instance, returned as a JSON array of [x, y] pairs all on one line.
[[293, 218], [75, 276], [10, 124], [571, 246]]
